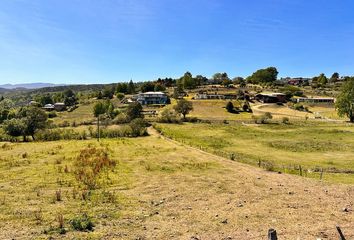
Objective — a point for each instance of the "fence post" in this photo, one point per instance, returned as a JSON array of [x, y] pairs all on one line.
[[300, 170], [259, 163], [272, 234], [340, 233], [321, 175]]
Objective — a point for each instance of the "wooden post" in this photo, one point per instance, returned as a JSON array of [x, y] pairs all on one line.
[[259, 163], [272, 234], [340, 233], [321, 175], [300, 170], [98, 128]]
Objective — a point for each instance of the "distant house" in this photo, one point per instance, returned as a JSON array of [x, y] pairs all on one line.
[[316, 100], [59, 106], [271, 98], [33, 103], [48, 107], [204, 96], [296, 81], [152, 98]]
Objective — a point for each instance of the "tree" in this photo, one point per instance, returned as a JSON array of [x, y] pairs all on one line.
[[15, 128], [322, 79], [220, 77], [134, 111], [122, 88], [188, 81], [147, 87], [138, 127], [159, 87], [345, 100], [5, 107], [44, 99], [183, 107], [70, 98], [108, 92], [2, 98], [34, 119], [230, 107], [131, 87], [267, 75], [99, 109], [334, 77]]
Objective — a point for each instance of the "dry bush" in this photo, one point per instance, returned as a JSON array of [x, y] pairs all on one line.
[[58, 195], [90, 163]]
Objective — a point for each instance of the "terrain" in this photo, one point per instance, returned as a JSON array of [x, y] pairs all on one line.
[[161, 189]]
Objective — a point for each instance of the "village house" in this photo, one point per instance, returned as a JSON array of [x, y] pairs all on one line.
[[59, 107], [204, 96], [316, 100], [152, 98], [271, 97]]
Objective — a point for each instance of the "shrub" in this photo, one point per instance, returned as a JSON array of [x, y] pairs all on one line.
[[82, 223], [120, 96], [262, 119], [285, 120], [121, 119], [89, 165], [138, 127], [300, 107], [52, 115], [168, 115], [230, 107]]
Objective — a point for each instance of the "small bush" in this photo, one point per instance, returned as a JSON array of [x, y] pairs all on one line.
[[90, 163], [285, 120], [138, 127], [262, 119], [52, 115], [169, 115], [82, 223]]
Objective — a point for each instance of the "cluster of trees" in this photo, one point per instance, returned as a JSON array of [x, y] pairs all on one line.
[[26, 122], [68, 97]]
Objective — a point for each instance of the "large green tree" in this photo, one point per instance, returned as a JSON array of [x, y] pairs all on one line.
[[15, 128], [345, 100], [34, 119], [134, 111], [183, 107], [267, 75]]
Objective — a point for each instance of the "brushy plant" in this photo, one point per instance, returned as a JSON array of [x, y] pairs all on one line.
[[285, 120], [89, 165], [82, 223]]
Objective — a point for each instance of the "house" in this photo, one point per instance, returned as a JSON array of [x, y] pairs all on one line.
[[316, 100], [271, 97], [59, 106], [296, 81], [152, 98], [204, 95], [48, 107], [34, 104]]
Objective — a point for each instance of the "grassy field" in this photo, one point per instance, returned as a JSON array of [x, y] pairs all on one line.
[[215, 110], [313, 145], [161, 190]]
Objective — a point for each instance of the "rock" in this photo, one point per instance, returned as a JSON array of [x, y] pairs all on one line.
[[224, 221], [345, 209]]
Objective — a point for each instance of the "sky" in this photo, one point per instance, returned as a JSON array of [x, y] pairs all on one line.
[[105, 41]]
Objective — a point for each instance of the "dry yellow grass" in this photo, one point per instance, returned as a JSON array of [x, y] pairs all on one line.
[[164, 190]]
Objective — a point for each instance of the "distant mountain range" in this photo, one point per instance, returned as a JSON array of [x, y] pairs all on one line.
[[29, 85]]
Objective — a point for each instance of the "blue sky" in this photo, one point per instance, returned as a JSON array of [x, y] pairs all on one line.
[[103, 41]]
